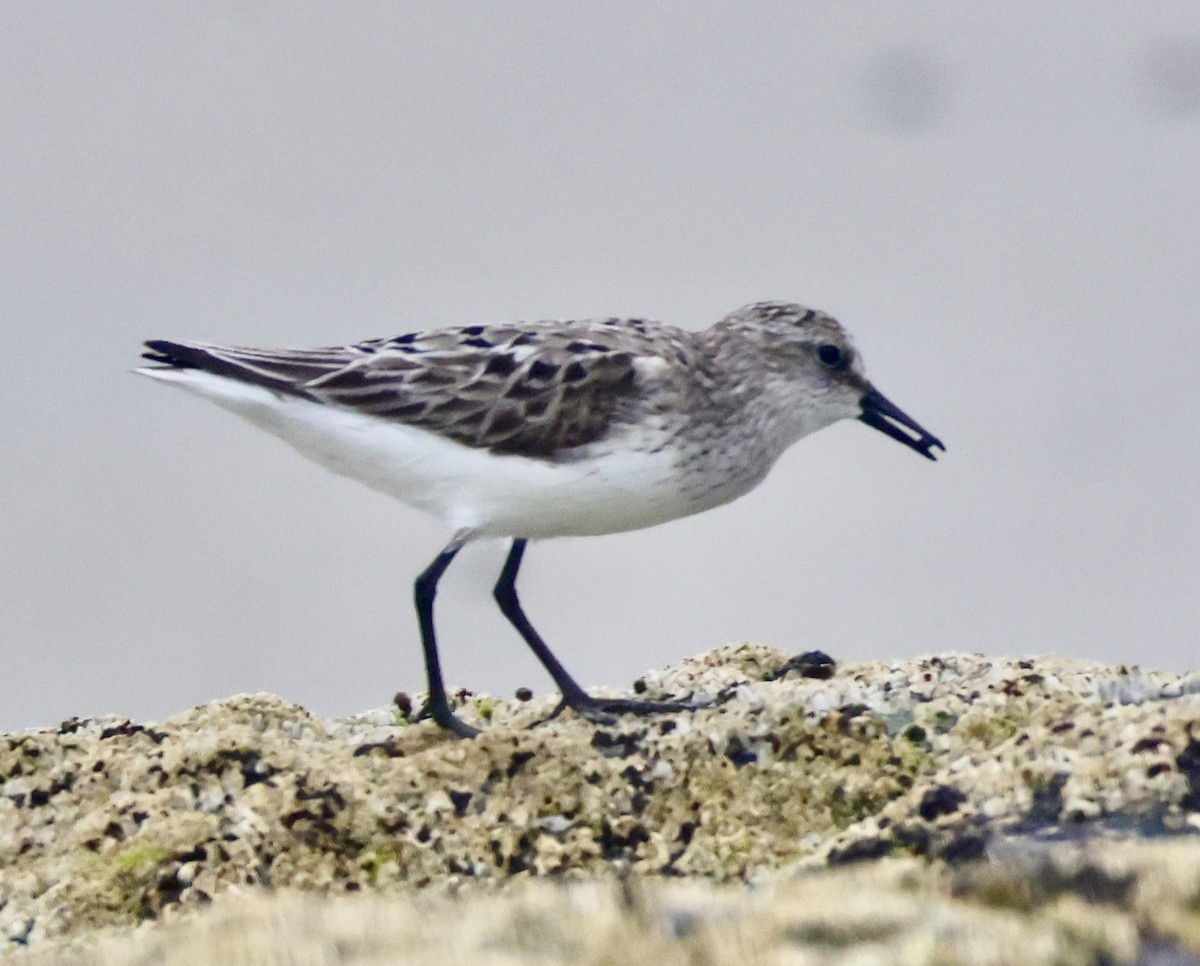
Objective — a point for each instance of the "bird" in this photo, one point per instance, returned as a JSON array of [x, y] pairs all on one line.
[[540, 429]]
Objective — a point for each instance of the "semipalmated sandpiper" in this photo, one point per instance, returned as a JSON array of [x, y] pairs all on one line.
[[544, 429]]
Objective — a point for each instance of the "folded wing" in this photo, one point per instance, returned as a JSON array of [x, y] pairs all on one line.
[[523, 389]]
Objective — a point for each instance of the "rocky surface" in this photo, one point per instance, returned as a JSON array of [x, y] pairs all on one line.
[[951, 808]]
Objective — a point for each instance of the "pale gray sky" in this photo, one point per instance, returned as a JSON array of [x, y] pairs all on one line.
[[1002, 202]]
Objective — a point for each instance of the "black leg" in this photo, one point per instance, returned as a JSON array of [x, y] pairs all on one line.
[[438, 705], [573, 696]]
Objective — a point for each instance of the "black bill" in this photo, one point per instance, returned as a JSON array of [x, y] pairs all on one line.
[[877, 411]]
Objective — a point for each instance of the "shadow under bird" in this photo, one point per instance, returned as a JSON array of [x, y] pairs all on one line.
[[541, 429]]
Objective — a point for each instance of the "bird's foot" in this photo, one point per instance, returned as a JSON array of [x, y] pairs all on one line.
[[445, 718], [606, 710]]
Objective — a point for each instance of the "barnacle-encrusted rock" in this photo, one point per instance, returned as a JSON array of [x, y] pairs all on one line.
[[980, 810]]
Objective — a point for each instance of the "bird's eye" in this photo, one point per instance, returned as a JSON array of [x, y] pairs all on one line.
[[832, 357]]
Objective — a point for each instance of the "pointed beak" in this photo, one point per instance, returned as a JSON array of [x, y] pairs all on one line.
[[877, 411]]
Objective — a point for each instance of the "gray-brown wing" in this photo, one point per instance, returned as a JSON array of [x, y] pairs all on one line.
[[531, 389], [527, 397]]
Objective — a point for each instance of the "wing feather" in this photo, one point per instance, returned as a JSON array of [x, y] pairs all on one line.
[[533, 389]]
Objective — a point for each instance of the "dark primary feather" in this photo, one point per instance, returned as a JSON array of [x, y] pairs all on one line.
[[532, 389]]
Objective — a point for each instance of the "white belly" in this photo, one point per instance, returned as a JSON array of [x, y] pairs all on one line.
[[467, 488]]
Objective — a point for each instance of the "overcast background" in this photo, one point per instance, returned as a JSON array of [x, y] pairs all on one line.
[[1001, 201]]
